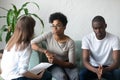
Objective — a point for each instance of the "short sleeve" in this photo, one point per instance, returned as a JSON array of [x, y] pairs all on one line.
[[85, 42], [116, 43]]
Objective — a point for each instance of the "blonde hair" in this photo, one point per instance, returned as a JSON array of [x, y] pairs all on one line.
[[23, 33]]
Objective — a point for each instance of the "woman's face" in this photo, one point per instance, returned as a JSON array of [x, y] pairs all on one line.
[[57, 27]]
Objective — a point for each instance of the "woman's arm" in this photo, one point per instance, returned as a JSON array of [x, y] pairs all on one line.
[[36, 41], [70, 54], [36, 47], [23, 64], [33, 76], [52, 59]]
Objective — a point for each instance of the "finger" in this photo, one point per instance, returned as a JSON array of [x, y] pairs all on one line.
[[41, 73], [51, 60]]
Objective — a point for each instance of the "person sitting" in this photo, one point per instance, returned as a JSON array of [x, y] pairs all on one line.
[[60, 49], [17, 53], [100, 53]]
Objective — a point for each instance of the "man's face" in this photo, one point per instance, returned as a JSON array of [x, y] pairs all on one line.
[[99, 29]]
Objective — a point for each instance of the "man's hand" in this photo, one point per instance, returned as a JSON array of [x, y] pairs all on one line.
[[99, 73]]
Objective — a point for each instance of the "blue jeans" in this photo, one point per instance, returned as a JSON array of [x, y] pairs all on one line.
[[46, 76], [85, 74], [117, 74]]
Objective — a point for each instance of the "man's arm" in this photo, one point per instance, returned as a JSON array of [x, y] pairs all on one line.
[[86, 55], [116, 61]]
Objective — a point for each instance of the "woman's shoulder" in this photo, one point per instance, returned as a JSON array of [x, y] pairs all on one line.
[[47, 34], [70, 40]]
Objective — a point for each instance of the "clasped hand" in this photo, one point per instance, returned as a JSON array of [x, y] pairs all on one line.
[[99, 72], [51, 57]]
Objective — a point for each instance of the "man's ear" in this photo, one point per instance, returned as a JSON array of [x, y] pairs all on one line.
[[105, 25]]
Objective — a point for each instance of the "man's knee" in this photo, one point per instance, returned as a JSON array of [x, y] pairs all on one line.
[[116, 74]]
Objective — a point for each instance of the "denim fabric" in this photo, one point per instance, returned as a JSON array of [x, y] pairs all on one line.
[[111, 75]]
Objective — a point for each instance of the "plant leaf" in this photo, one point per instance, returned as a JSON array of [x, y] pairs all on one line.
[[12, 27], [24, 5], [36, 4], [26, 11], [10, 16], [3, 29], [8, 36], [41, 21], [13, 14], [15, 10], [19, 11], [35, 15]]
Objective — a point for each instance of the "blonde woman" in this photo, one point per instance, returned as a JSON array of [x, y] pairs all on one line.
[[16, 56]]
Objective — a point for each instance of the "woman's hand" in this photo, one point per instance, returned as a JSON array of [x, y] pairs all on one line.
[[50, 56], [41, 74]]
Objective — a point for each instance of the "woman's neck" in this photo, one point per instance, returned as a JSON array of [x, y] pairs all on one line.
[[61, 38]]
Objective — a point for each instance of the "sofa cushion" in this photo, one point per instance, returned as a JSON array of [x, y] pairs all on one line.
[[35, 59], [78, 52]]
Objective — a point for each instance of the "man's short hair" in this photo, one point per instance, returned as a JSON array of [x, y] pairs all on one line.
[[98, 19]]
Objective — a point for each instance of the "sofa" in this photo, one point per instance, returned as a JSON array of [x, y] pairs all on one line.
[[37, 57]]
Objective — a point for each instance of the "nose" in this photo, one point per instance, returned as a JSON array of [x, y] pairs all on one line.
[[55, 27], [97, 30]]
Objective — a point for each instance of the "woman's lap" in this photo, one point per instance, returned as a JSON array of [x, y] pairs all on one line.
[[46, 76], [64, 73]]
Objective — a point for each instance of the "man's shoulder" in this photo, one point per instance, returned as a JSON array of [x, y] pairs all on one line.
[[112, 35]]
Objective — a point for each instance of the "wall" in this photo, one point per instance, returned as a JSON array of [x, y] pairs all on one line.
[[79, 13]]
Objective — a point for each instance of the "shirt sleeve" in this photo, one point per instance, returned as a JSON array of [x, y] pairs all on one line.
[[24, 60], [71, 52], [85, 44], [116, 43], [40, 38]]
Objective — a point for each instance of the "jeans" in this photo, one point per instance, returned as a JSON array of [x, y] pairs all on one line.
[[46, 76], [85, 74], [117, 74]]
